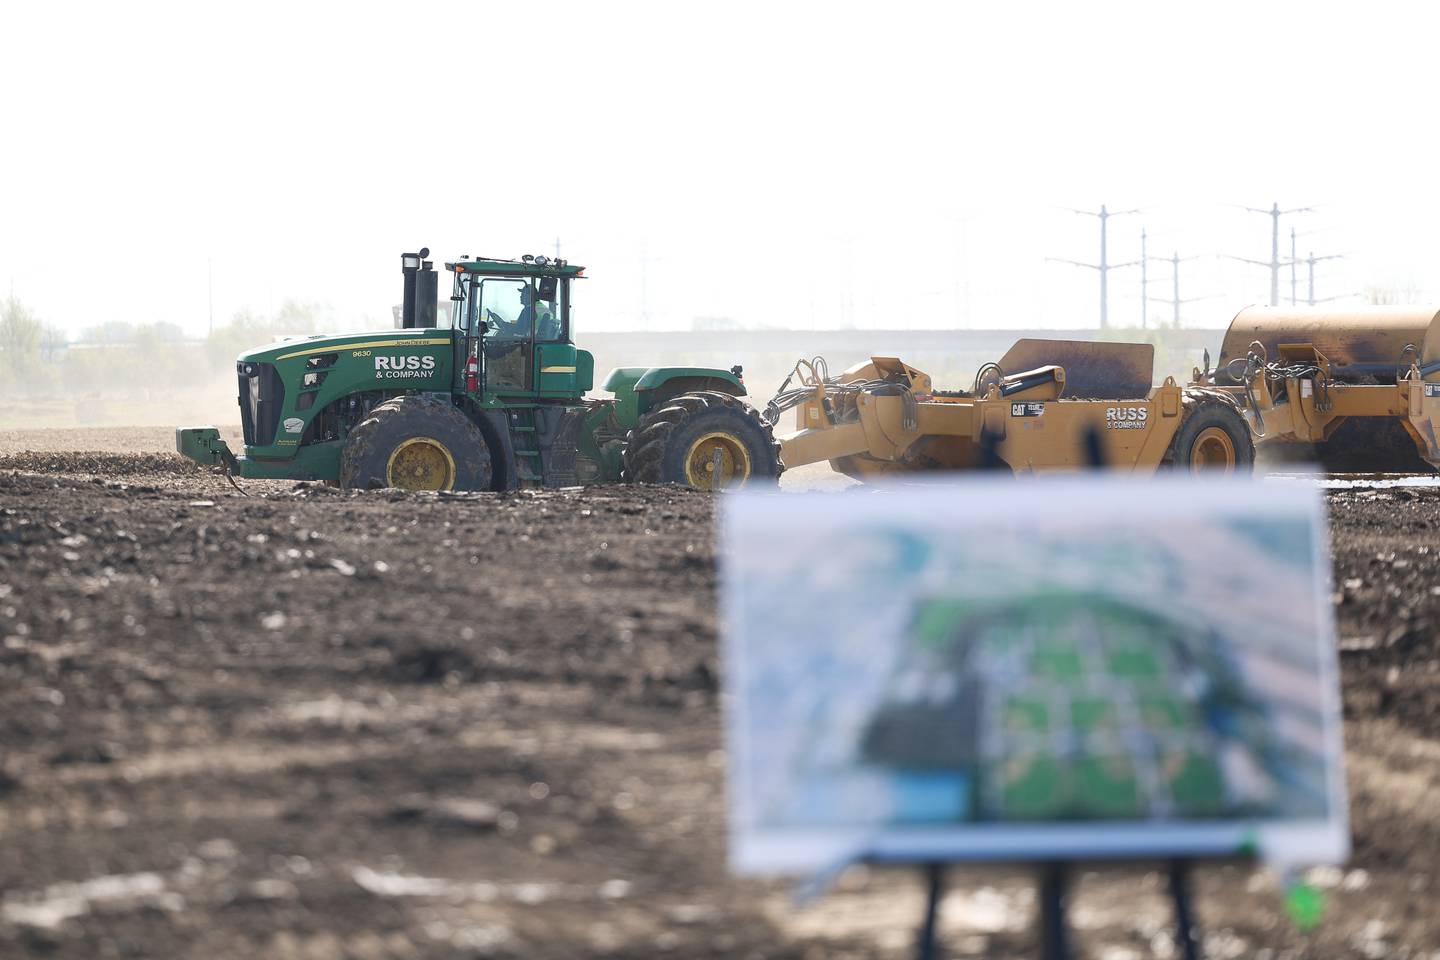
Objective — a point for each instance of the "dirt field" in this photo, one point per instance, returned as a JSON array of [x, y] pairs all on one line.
[[308, 724]]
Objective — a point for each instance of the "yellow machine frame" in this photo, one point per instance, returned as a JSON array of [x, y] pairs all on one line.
[[1300, 373], [1022, 417], [1294, 376]]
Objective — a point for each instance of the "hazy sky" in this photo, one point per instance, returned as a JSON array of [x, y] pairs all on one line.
[[784, 164]]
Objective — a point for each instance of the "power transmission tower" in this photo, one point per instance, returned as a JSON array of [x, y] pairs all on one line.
[[1175, 299], [1292, 266], [644, 289], [1310, 262], [1104, 266], [1274, 213], [1145, 261], [1144, 284]]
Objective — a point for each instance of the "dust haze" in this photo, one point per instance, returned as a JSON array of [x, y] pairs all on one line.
[[150, 375]]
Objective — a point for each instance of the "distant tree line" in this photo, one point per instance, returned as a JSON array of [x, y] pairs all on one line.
[[37, 356], [26, 345]]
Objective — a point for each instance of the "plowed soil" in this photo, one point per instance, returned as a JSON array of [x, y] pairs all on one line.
[[313, 724]]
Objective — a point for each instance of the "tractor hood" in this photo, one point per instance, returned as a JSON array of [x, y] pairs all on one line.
[[285, 386], [366, 340]]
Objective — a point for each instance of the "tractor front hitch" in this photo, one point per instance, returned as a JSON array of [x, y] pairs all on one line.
[[206, 447]]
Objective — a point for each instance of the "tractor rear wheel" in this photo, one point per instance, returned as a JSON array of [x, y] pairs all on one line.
[[706, 439], [1214, 436], [415, 442]]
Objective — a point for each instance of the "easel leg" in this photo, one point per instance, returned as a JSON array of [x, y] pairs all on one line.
[[1054, 939], [935, 886], [1185, 936]]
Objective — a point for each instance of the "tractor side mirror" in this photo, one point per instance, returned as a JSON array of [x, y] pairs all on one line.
[[547, 288]]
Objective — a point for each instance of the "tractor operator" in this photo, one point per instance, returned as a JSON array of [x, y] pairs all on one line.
[[540, 313]]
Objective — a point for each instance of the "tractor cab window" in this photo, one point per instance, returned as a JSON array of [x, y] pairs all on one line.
[[508, 331], [520, 309], [551, 313], [513, 309], [463, 301], [503, 306]]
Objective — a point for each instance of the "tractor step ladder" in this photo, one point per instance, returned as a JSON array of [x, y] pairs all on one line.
[[529, 464]]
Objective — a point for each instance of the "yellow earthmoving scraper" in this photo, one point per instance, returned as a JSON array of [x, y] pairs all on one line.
[[1045, 405]]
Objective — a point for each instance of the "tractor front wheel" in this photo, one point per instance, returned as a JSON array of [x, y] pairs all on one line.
[[415, 442], [706, 439], [1214, 437]]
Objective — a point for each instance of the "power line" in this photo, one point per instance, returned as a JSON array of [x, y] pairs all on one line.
[[1145, 261], [1175, 300], [1104, 266], [1274, 213], [1144, 283], [644, 289], [1292, 266], [1310, 262]]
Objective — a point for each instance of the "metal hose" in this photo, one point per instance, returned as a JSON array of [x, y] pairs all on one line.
[[814, 373]]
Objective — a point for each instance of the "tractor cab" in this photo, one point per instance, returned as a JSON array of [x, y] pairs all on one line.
[[512, 324]]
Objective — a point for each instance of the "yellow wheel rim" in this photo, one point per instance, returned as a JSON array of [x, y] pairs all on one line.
[[421, 463], [716, 461], [1213, 450]]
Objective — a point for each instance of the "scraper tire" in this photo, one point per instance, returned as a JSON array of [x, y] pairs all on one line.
[[1214, 436]]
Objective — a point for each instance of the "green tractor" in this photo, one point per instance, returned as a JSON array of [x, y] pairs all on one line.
[[496, 401]]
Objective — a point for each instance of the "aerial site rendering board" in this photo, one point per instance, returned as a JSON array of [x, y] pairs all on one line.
[[1055, 669]]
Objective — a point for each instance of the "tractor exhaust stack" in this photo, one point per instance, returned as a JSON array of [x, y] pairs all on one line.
[[422, 290]]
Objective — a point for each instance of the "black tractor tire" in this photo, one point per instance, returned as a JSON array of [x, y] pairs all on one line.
[[678, 442], [1213, 437], [415, 442]]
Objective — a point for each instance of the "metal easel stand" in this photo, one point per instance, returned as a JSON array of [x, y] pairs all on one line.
[[1054, 935], [1186, 937], [935, 883]]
